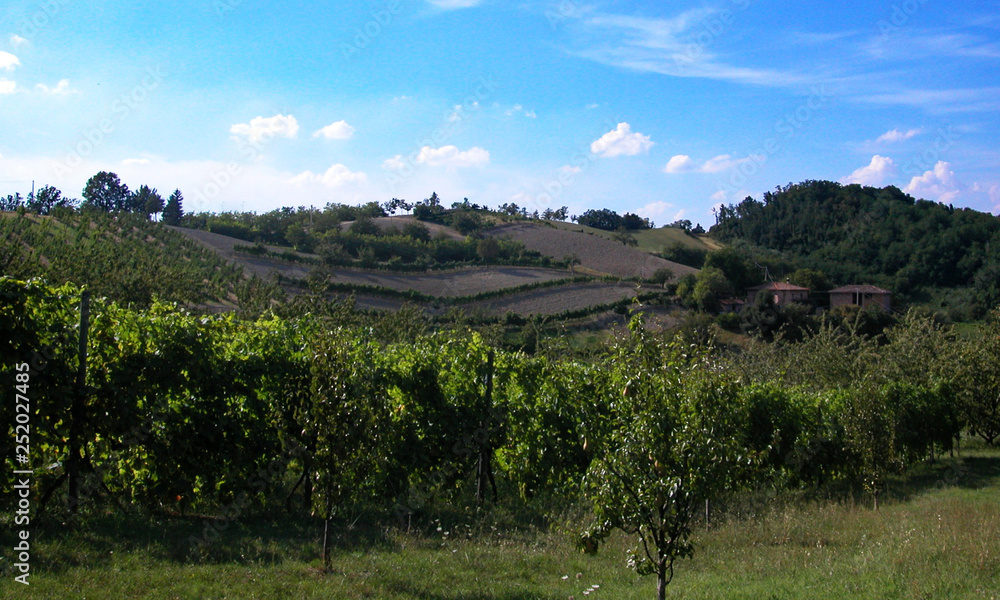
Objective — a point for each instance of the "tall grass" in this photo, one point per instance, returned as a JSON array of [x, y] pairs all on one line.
[[938, 538]]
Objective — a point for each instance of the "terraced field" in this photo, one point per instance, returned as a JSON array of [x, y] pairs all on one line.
[[551, 301], [597, 255], [595, 252], [459, 282]]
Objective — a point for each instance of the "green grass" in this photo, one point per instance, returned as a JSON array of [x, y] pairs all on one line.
[[649, 240], [936, 537]]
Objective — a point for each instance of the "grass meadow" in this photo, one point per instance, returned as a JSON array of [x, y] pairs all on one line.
[[936, 536]]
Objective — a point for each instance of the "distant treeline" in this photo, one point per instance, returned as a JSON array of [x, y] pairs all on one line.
[[856, 234]]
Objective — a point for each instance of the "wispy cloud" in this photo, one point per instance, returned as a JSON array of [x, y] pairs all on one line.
[[454, 4], [682, 163], [669, 46], [895, 135], [939, 100]]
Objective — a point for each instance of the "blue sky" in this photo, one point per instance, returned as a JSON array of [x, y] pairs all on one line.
[[665, 109]]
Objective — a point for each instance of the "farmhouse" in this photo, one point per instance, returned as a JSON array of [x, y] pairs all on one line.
[[782, 293], [861, 295]]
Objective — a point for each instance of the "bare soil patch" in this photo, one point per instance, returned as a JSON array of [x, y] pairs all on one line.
[[595, 252]]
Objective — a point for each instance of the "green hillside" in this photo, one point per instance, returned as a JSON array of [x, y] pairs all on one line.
[[122, 256], [858, 234]]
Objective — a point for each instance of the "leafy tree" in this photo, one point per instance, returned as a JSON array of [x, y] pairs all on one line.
[[174, 209], [978, 381], [488, 249], [662, 276], [105, 192], [633, 221], [464, 221], [622, 235], [735, 266], [11, 202], [145, 200], [815, 280], [682, 224], [154, 204], [685, 255], [417, 231], [710, 287], [673, 446], [365, 226], [604, 218], [46, 200]]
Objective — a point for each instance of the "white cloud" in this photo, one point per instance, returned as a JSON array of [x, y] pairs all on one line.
[[8, 62], [680, 163], [260, 128], [655, 210], [459, 113], [17, 41], [450, 156], [531, 114], [336, 176], [7, 86], [570, 170], [621, 141], [875, 173], [336, 131], [725, 162], [995, 196], [592, 106], [937, 184], [445, 156], [135, 161], [453, 4], [898, 136], [62, 88]]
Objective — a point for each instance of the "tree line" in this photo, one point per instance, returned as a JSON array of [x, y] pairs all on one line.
[[858, 234], [104, 192]]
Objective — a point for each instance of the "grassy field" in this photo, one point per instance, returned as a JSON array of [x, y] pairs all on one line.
[[937, 538]]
